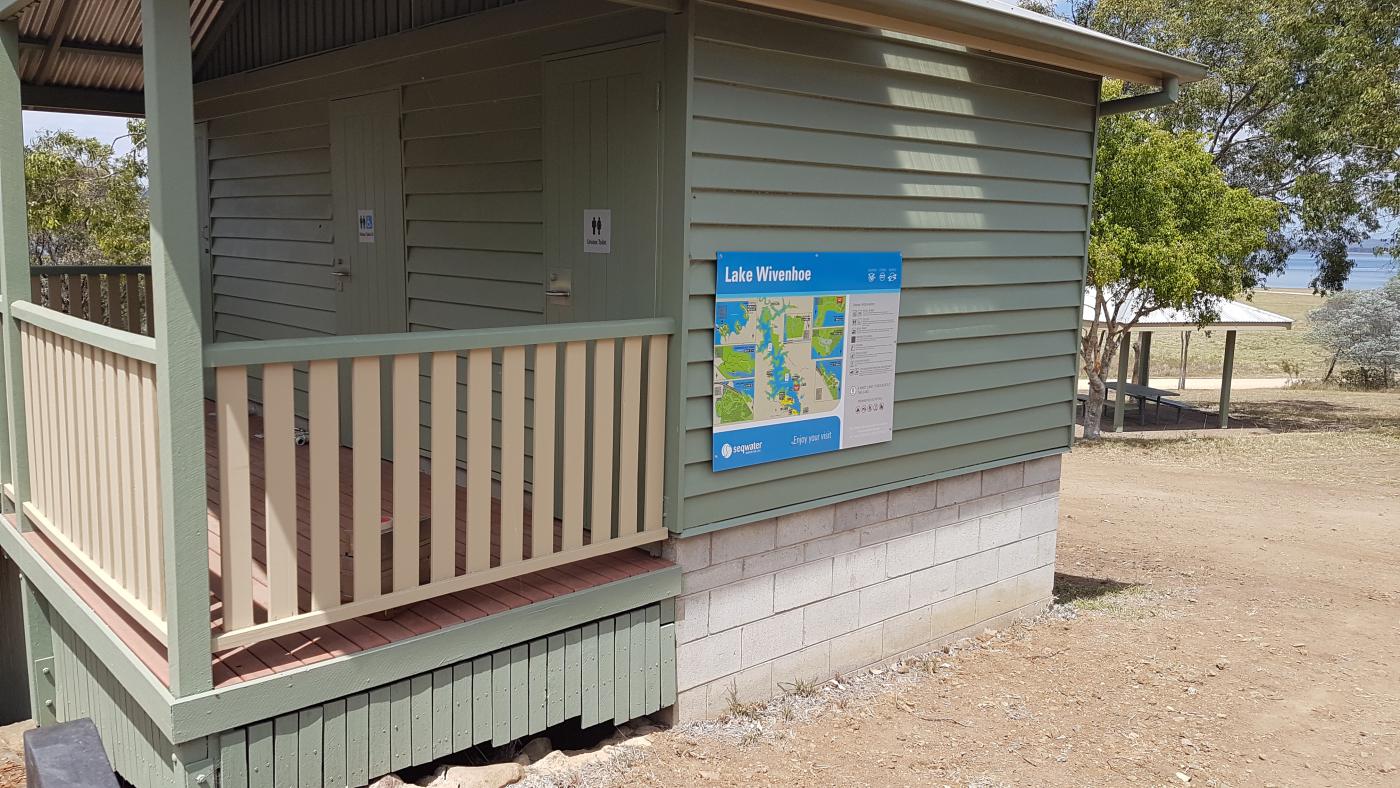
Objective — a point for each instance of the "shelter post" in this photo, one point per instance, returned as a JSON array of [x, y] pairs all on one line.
[[1144, 370], [1121, 398], [179, 344], [1226, 376], [1185, 354]]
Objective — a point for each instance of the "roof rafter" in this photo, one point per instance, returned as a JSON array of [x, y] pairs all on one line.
[[123, 53], [64, 22]]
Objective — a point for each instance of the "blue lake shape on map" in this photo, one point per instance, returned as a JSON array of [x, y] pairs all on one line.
[[831, 369], [782, 389], [730, 319], [831, 318]]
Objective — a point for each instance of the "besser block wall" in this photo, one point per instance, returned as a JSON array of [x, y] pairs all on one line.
[[843, 588]]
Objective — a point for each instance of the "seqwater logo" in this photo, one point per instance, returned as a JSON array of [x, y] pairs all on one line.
[[728, 450]]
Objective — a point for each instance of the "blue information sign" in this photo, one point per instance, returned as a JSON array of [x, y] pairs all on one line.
[[804, 353]]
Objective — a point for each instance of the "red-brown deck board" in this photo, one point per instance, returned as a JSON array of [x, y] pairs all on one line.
[[346, 637]]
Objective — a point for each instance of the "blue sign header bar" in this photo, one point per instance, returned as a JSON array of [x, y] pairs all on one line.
[[742, 274]]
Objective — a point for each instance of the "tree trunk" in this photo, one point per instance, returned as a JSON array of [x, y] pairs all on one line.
[[1332, 367], [1098, 391], [1093, 409]]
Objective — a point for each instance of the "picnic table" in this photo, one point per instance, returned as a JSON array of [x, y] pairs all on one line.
[[1145, 394]]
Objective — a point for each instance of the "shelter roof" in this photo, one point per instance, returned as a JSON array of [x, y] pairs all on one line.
[[1233, 315]]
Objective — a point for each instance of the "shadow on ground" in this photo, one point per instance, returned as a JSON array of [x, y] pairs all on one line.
[[1295, 414], [1274, 410], [1075, 589]]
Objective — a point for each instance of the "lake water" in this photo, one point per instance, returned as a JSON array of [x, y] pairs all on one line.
[[1371, 271]]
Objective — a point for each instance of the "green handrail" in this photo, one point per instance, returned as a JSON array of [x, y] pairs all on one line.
[[279, 351]]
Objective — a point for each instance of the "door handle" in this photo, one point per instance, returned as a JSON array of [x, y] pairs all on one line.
[[560, 284], [339, 267]]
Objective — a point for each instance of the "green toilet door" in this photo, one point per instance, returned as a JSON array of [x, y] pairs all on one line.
[[602, 170], [367, 179], [368, 270]]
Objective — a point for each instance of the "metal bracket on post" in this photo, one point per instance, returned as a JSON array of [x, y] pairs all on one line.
[[45, 692]]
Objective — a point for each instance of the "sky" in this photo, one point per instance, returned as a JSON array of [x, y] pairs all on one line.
[[102, 127]]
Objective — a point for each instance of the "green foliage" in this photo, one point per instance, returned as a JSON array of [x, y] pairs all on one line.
[[1302, 106], [1167, 231], [1362, 327], [86, 204], [1166, 226]]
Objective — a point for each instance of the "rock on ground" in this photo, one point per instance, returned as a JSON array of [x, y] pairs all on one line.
[[497, 775]]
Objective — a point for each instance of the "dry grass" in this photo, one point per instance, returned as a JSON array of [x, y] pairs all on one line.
[[1258, 354]]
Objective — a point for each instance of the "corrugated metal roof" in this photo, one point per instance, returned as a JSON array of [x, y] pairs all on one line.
[[264, 32], [99, 52], [1232, 315], [100, 42]]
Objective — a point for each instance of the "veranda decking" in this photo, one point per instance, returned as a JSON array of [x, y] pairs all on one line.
[[284, 653]]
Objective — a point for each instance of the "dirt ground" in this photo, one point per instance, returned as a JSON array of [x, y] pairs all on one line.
[[1232, 617]]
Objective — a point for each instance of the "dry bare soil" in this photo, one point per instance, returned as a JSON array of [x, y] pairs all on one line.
[[1236, 621]]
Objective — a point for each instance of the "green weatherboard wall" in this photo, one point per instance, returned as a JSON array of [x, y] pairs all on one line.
[[814, 138], [610, 670]]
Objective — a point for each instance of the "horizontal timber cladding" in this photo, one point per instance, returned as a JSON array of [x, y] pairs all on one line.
[[473, 151], [612, 670], [808, 137]]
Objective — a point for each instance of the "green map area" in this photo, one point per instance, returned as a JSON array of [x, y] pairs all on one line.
[[734, 362], [777, 357], [829, 311], [734, 404], [794, 328]]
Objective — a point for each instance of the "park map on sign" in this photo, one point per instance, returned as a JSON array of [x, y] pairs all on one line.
[[778, 356]]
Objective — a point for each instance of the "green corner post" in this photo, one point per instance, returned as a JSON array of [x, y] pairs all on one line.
[[1227, 375], [169, 86], [674, 283], [14, 260], [14, 281], [1120, 399]]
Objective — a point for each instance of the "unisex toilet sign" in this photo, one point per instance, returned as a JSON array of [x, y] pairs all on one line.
[[804, 353], [597, 231]]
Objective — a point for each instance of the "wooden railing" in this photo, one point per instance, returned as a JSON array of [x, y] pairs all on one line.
[[596, 397], [89, 398], [111, 295]]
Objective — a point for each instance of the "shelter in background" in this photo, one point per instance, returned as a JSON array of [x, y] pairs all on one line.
[[470, 250], [1231, 317]]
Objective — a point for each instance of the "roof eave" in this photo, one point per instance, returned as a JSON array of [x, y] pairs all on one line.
[[1004, 30]]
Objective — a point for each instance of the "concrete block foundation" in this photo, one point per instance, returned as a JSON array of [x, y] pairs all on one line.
[[843, 588]]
